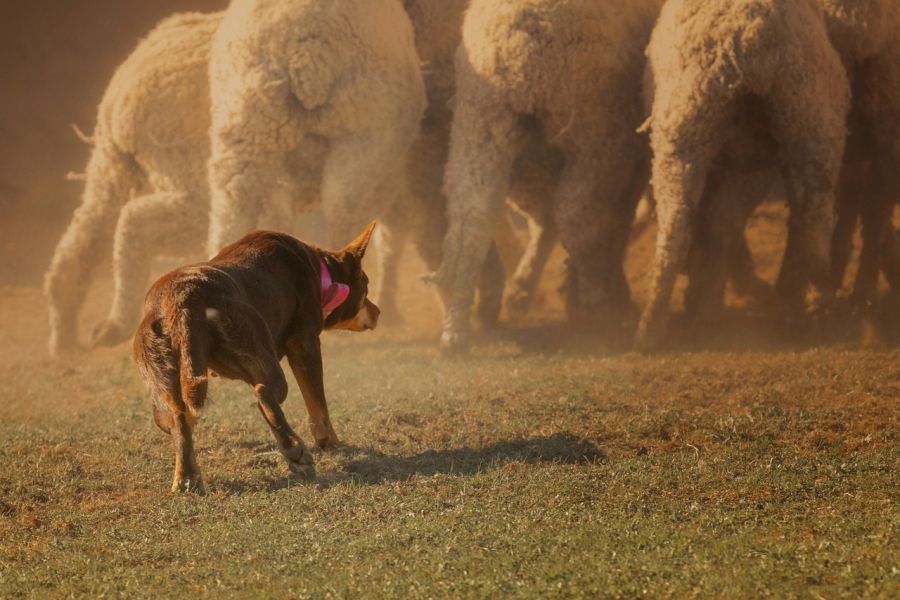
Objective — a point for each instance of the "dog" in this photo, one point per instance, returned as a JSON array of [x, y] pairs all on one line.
[[266, 296]]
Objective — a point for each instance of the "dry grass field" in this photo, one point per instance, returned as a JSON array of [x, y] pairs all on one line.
[[544, 464]]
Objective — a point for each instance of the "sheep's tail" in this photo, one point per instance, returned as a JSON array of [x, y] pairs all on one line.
[[189, 335], [81, 135]]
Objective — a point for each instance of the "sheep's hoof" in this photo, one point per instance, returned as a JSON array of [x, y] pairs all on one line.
[[108, 333], [454, 343], [61, 345], [489, 311], [649, 337], [300, 461], [518, 303], [189, 484], [63, 334]]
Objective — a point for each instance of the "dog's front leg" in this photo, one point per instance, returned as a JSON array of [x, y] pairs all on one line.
[[305, 357]]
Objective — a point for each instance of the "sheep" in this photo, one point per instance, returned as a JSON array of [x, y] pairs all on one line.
[[728, 80], [334, 87], [437, 25], [145, 182], [420, 215], [867, 36], [567, 73]]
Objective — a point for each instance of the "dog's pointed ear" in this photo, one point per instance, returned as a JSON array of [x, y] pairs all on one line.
[[358, 246]]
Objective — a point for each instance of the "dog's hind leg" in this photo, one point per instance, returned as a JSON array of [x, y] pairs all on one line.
[[250, 355], [270, 394], [305, 358], [187, 473]]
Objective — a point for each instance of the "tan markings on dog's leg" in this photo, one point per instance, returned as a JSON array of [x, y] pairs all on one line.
[[305, 358], [187, 475]]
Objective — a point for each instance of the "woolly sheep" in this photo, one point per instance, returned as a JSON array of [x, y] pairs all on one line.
[[867, 37], [145, 183], [569, 71], [334, 86], [437, 25], [718, 70]]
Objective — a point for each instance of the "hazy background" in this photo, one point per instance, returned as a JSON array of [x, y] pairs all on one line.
[[56, 57]]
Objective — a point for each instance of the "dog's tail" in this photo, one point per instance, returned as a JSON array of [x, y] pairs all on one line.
[[170, 350], [187, 329]]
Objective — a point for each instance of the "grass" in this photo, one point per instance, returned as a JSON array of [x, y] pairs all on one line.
[[512, 473]]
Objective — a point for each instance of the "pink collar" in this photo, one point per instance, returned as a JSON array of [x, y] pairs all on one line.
[[333, 294]]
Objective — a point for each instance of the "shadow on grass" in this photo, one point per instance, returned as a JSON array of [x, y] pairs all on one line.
[[368, 466], [376, 466]]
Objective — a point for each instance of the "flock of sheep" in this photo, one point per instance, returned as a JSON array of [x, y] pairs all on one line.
[[431, 115]]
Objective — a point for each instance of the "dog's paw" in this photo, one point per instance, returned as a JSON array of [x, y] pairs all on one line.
[[192, 484], [300, 461], [324, 435], [108, 333]]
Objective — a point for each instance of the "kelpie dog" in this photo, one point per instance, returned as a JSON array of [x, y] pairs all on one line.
[[265, 296]]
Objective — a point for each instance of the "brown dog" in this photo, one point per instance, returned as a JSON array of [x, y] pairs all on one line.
[[265, 296]]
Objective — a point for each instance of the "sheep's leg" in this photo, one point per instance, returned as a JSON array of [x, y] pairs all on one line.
[[484, 144], [810, 227], [149, 225], [391, 238], [491, 282], [594, 210], [876, 211], [278, 213], [542, 236], [644, 214], [707, 266], [883, 105], [809, 124], [506, 238], [853, 183], [362, 179], [110, 178], [677, 185], [720, 248], [242, 180], [890, 259]]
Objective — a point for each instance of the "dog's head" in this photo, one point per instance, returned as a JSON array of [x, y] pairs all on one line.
[[355, 312]]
